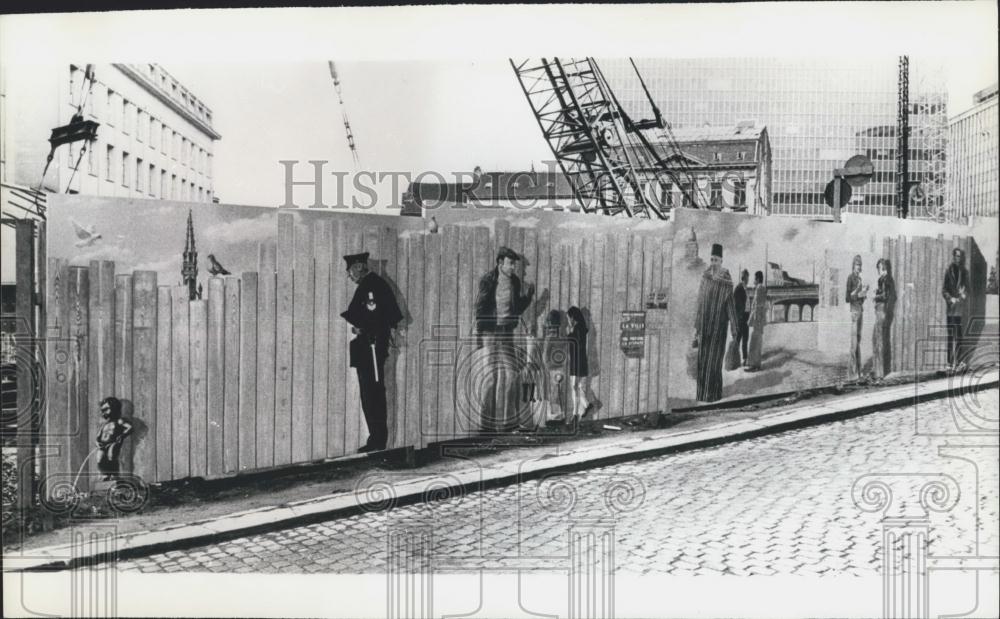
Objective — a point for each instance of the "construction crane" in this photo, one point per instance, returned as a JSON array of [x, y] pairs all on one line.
[[343, 112], [903, 139], [608, 161]]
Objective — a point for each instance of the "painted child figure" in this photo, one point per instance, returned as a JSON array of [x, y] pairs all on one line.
[[111, 436]]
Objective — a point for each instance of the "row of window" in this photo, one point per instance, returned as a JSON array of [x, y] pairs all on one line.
[[156, 133], [134, 172], [169, 85]]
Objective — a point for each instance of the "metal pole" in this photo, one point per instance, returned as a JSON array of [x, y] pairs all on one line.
[[836, 197]]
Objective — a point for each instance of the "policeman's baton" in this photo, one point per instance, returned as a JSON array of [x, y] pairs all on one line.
[[374, 361]]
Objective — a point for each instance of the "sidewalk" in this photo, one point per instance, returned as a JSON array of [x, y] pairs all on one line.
[[361, 483]]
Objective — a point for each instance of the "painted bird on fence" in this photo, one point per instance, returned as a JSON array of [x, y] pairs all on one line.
[[215, 268], [88, 236]]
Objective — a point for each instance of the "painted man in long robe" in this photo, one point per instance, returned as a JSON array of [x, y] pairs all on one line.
[[716, 316]]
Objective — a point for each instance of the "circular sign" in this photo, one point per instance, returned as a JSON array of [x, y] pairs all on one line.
[[845, 192], [858, 170]]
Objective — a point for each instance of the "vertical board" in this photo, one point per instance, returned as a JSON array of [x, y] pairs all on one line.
[[231, 379], [144, 377], [397, 427], [429, 374], [387, 247], [415, 290], [649, 355], [164, 384], [266, 352], [595, 337], [337, 393], [181, 375], [78, 298], [102, 344], [321, 341], [631, 380], [354, 437], [448, 294], [123, 337], [666, 266], [283, 341], [216, 386], [198, 338], [619, 383], [501, 234], [544, 288], [249, 290], [531, 277], [302, 347], [467, 289], [611, 359], [58, 368]]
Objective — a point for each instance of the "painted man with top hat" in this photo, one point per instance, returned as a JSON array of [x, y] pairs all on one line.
[[372, 313], [716, 316]]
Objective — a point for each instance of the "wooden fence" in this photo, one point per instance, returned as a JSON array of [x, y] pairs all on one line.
[[255, 375], [919, 337]]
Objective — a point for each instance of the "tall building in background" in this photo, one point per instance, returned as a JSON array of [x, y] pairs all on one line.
[[974, 185], [818, 113], [155, 138]]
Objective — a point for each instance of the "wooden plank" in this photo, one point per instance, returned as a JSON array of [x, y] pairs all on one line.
[[164, 384], [889, 251], [123, 341], [597, 325], [531, 277], [631, 381], [321, 342], [544, 291], [338, 371], [144, 377], [267, 290], [501, 234], [904, 259], [429, 375], [448, 295], [215, 372], [102, 344], [247, 425], [58, 430], [387, 248], [610, 355], [620, 377], [355, 429], [284, 315], [467, 289], [78, 299], [41, 330], [664, 368], [644, 376], [397, 429], [181, 373], [302, 347], [199, 388], [940, 257], [231, 379], [415, 290]]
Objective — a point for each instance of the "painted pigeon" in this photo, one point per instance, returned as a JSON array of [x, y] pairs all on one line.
[[87, 236], [215, 268]]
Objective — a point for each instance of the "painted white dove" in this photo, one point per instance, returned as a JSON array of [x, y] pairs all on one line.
[[87, 236]]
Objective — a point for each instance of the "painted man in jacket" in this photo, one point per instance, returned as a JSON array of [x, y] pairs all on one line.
[[955, 290], [500, 302]]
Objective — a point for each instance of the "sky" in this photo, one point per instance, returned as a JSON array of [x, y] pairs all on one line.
[[405, 116]]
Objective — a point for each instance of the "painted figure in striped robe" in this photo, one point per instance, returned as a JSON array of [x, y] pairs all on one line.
[[716, 316]]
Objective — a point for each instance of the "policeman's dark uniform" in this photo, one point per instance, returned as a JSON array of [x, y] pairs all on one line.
[[374, 312]]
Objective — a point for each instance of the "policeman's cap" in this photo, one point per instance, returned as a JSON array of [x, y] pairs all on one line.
[[353, 259]]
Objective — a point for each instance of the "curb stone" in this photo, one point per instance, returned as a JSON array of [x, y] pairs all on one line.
[[410, 491]]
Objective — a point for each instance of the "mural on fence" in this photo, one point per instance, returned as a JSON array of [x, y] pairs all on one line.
[[774, 304], [239, 362]]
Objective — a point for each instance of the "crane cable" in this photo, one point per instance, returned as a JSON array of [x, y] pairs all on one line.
[[671, 141], [343, 112]]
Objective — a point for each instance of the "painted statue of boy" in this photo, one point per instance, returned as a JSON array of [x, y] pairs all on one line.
[[111, 436]]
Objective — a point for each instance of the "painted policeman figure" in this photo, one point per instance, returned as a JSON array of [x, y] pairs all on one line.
[[372, 313]]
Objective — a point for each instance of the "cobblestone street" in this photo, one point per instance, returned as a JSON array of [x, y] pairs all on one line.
[[779, 504]]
